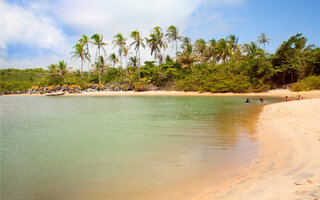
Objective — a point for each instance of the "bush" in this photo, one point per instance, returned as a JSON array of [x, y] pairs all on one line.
[[310, 83]]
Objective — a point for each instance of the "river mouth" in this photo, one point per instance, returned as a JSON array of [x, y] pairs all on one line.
[[123, 147]]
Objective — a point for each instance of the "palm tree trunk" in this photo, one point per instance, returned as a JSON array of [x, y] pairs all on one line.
[[99, 75], [176, 49], [121, 60], [139, 62]]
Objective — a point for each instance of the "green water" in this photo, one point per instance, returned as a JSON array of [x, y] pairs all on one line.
[[123, 147]]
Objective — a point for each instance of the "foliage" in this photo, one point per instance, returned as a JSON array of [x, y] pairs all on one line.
[[310, 83]]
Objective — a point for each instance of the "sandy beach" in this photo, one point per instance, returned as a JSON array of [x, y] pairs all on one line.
[[274, 93], [289, 163]]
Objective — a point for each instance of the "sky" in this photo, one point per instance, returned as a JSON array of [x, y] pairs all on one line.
[[37, 33]]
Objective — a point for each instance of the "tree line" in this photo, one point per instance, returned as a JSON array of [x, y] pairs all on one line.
[[221, 65]]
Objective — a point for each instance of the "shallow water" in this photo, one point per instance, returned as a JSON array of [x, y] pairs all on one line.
[[123, 147]]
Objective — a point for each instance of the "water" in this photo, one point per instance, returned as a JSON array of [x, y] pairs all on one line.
[[123, 147]]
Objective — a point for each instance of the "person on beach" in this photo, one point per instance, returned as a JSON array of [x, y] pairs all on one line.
[[287, 98], [300, 97], [261, 100], [248, 101]]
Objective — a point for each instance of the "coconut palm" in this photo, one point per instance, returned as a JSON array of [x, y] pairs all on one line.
[[233, 46], [252, 50], [84, 41], [137, 42], [211, 50], [62, 69], [120, 42], [156, 42], [114, 59], [97, 40], [100, 66], [133, 61], [262, 39], [172, 35], [80, 53], [187, 56], [223, 51], [200, 48]]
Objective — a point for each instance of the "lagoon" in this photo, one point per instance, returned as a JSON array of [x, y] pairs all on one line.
[[123, 147]]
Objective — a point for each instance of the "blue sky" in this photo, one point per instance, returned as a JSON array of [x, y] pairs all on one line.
[[36, 33]]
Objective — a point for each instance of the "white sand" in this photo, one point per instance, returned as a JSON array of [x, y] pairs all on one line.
[[289, 165]]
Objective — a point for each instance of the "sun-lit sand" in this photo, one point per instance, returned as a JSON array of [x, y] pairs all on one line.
[[289, 162], [275, 93]]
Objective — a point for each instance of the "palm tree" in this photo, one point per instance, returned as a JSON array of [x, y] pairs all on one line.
[[100, 65], [119, 41], [223, 50], [200, 48], [84, 41], [133, 61], [187, 56], [97, 40], [211, 50], [262, 39], [173, 35], [114, 59], [125, 53], [62, 69], [233, 45], [156, 42], [252, 50], [137, 42], [79, 53]]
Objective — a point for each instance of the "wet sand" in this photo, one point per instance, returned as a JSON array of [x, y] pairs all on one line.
[[289, 163]]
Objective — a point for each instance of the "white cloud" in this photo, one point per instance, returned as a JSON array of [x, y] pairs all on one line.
[[25, 26]]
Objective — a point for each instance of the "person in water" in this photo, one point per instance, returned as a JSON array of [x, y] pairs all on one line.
[[287, 98], [248, 101], [300, 97], [261, 100]]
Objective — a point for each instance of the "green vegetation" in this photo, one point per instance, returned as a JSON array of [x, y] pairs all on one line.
[[206, 66], [310, 83]]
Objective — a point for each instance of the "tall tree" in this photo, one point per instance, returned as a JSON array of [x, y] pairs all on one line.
[[62, 68], [120, 42], [211, 50], [80, 53], [84, 41], [114, 59], [133, 61], [233, 46], [200, 47], [263, 40], [223, 51], [172, 35], [187, 56], [252, 50], [156, 42], [100, 66], [137, 42], [97, 40]]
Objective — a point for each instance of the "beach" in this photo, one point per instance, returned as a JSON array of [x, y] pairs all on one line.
[[289, 163], [273, 93]]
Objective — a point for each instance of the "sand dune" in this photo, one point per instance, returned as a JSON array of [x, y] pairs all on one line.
[[289, 165]]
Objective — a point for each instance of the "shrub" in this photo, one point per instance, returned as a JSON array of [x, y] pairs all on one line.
[[310, 83]]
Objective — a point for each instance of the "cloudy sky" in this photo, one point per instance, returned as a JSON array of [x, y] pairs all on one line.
[[36, 33]]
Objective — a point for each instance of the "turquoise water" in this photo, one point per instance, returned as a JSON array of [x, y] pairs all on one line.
[[123, 147]]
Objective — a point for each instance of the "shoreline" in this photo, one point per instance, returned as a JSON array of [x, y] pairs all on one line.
[[273, 93], [288, 164]]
